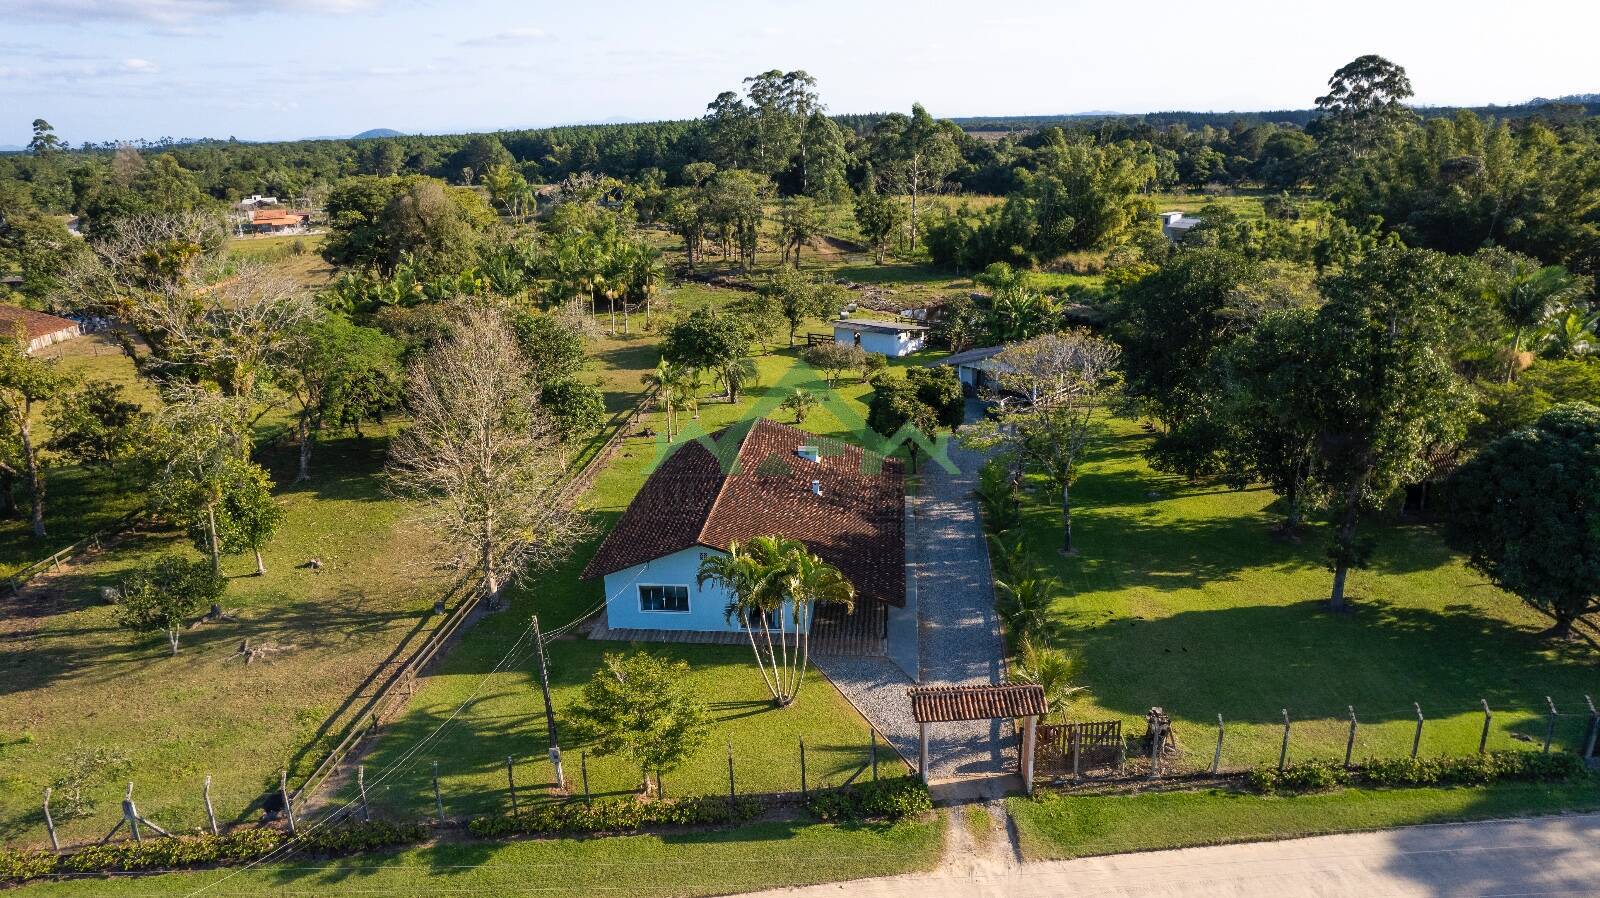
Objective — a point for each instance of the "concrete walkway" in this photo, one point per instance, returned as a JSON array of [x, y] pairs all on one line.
[[1548, 856]]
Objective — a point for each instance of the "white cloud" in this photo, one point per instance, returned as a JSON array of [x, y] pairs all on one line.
[[508, 38], [140, 66], [166, 12]]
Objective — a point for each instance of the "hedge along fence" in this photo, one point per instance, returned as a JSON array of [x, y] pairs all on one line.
[[465, 791], [1289, 736], [889, 800], [1476, 770]]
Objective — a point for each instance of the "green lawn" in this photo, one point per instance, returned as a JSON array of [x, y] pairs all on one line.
[[675, 865], [1064, 826], [1183, 597], [501, 712]]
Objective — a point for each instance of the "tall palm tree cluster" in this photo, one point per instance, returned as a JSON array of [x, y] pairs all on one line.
[[774, 584]]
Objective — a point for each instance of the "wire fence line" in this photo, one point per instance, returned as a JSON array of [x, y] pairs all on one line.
[[1224, 745]]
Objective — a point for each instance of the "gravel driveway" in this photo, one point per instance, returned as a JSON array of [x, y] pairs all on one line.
[[959, 633]]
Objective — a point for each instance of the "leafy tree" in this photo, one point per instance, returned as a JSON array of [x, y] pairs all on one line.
[[246, 516], [44, 141], [95, 426], [1054, 387], [800, 297], [823, 159], [644, 708], [1522, 509], [834, 358], [552, 346], [915, 154], [578, 409], [25, 384], [877, 216], [895, 407], [713, 342], [960, 324], [801, 402], [939, 388], [799, 221], [872, 366], [200, 438], [163, 594], [1528, 295], [1363, 108], [1384, 392], [339, 373]]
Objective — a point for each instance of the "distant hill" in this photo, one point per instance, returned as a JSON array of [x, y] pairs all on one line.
[[377, 132]]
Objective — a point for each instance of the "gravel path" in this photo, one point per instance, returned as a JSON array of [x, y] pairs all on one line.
[[960, 629], [959, 634]]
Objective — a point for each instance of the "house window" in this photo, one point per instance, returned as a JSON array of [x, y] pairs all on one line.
[[663, 598], [757, 621]]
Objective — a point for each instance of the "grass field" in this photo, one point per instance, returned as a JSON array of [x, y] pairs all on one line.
[[1183, 598], [676, 865], [501, 714], [1053, 827]]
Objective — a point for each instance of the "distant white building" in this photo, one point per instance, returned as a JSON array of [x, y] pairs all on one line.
[[891, 338], [256, 201], [1174, 225]]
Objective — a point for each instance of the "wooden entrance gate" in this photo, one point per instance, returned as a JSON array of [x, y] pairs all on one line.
[[947, 704], [1077, 747]]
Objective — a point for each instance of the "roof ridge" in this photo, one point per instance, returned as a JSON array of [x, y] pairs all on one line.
[[727, 475]]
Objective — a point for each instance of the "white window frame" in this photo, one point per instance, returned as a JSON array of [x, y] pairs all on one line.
[[687, 601]]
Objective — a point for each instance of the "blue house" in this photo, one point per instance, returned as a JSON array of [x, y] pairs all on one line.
[[762, 479], [891, 338]]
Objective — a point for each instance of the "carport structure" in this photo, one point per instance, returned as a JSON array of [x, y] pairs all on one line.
[[948, 704]]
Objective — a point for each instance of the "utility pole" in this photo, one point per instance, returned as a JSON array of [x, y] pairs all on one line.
[[549, 710]]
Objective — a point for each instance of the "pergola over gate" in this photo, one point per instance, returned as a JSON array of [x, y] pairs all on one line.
[[949, 704]]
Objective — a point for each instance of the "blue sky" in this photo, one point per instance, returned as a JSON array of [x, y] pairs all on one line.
[[272, 69]]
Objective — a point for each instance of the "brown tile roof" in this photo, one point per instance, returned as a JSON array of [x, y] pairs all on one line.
[[942, 704], [857, 524], [34, 324], [277, 217]]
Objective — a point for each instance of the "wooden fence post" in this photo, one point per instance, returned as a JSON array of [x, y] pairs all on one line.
[[1076, 756], [803, 767], [288, 800], [511, 784], [1488, 716], [50, 823], [211, 814], [732, 792], [1350, 741], [583, 767], [1550, 728], [1594, 728], [130, 813], [1216, 757], [438, 797], [361, 785], [1283, 753], [874, 754], [1416, 741], [1157, 736]]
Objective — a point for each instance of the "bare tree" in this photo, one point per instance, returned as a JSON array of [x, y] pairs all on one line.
[[482, 459], [1051, 388], [163, 277]]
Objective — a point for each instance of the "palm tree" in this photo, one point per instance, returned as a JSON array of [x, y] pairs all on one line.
[[675, 388], [738, 373], [1025, 602], [808, 580], [1571, 335], [774, 584], [1531, 295], [1047, 667]]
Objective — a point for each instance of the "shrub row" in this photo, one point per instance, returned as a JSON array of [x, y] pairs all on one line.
[[890, 799], [236, 847], [618, 815], [1474, 770]]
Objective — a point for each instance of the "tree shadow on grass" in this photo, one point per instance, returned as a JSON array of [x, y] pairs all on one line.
[[1249, 663]]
